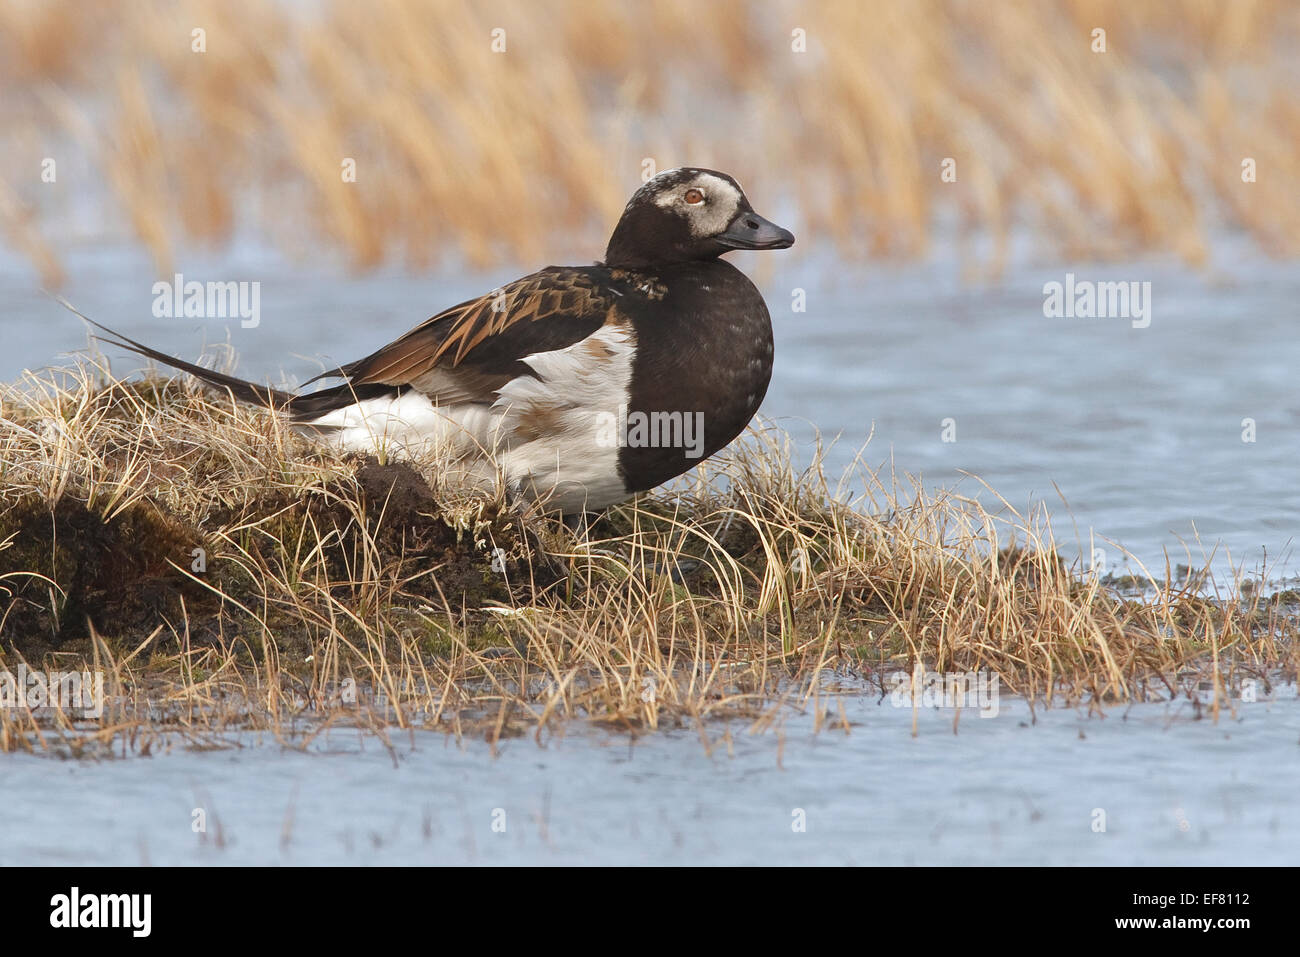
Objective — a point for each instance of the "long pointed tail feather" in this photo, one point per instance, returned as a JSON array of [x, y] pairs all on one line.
[[241, 389], [303, 408]]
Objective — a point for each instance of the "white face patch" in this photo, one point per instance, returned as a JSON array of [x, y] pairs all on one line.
[[721, 203]]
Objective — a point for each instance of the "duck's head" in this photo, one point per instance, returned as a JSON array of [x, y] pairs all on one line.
[[687, 214]]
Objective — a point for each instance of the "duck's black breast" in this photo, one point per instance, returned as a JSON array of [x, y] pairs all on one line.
[[702, 365]]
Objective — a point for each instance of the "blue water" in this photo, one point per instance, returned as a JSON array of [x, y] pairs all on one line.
[[1146, 785]]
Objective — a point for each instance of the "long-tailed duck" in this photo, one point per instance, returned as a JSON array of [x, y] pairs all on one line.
[[579, 385]]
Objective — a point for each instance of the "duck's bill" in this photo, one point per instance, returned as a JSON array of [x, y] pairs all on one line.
[[752, 231]]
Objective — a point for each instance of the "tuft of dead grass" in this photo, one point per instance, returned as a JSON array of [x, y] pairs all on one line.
[[336, 589]]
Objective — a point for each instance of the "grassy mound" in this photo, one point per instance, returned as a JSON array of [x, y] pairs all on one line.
[[224, 573]]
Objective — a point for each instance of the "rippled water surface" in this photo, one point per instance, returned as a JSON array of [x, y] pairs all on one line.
[[1167, 788]]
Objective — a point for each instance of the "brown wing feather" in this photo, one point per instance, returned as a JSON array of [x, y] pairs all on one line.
[[452, 338]]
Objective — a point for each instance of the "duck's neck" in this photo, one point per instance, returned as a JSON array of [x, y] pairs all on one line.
[[644, 239]]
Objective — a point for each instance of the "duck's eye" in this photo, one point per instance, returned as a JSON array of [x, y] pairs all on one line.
[[693, 197]]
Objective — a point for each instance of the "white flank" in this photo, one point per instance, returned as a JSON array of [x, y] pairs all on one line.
[[565, 466], [568, 467]]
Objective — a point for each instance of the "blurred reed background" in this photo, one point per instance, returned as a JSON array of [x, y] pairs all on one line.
[[470, 157]]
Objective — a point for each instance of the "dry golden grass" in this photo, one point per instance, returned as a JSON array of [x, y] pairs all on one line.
[[343, 591], [465, 155]]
